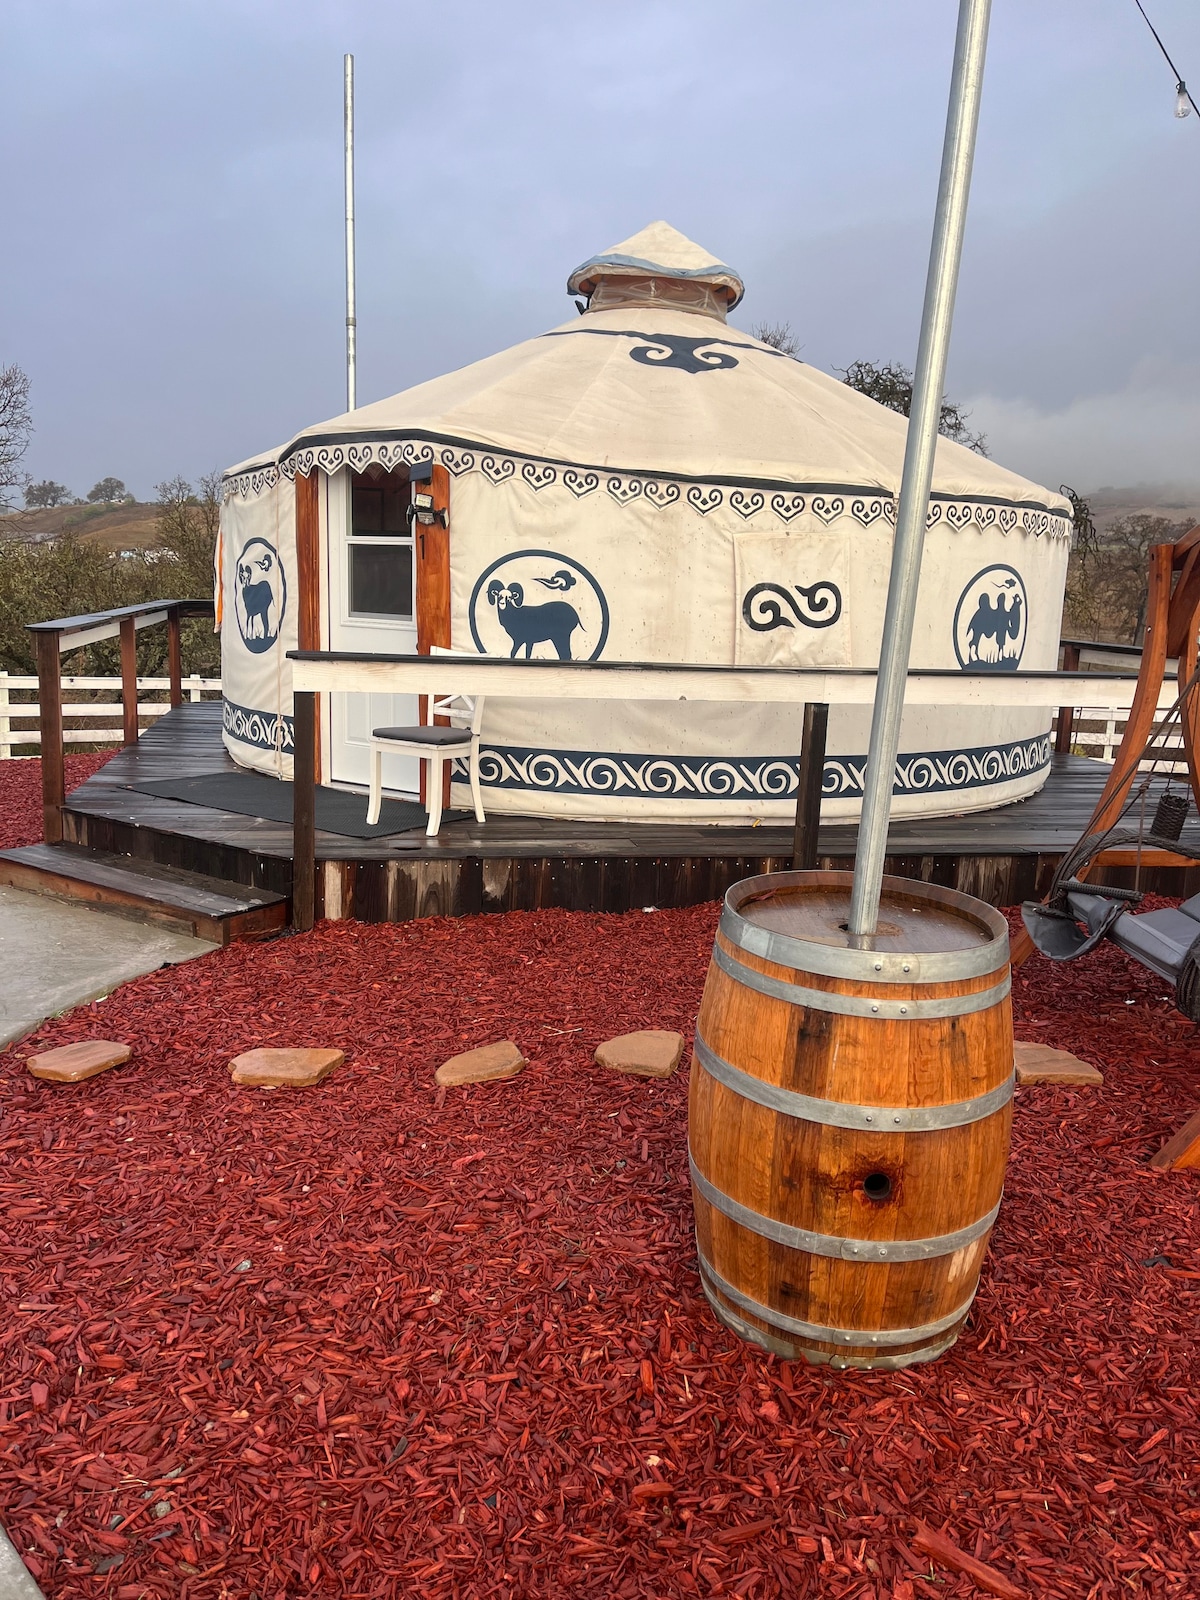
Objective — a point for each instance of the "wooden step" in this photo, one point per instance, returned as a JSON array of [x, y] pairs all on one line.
[[189, 902]]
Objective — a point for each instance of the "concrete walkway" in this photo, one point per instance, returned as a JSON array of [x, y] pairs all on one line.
[[54, 955], [16, 1581]]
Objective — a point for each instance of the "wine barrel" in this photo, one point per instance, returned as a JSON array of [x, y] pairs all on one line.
[[849, 1117]]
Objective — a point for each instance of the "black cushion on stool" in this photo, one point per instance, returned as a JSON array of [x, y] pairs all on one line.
[[423, 735]]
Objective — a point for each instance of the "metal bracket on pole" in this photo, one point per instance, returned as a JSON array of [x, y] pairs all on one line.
[[958, 153]]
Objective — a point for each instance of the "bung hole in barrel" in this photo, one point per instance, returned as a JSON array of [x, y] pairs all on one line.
[[877, 1186]]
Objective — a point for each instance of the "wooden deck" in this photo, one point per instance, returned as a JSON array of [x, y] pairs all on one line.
[[516, 863]]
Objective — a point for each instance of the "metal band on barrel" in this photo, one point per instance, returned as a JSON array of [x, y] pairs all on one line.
[[864, 966], [880, 1337], [841, 1114], [828, 1244], [857, 1005]]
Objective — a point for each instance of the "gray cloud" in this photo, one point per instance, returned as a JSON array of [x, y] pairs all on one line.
[[172, 281]]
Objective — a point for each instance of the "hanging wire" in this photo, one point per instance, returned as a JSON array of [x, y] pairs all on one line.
[[1180, 86]]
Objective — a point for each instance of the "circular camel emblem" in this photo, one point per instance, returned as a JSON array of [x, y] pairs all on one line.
[[992, 619], [538, 605], [259, 595]]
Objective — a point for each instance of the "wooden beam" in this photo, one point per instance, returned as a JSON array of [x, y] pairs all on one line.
[[308, 578], [355, 672], [808, 786], [1066, 714], [129, 688], [308, 560], [432, 555], [1182, 1149], [431, 542], [1144, 710], [304, 812], [175, 655], [54, 792]]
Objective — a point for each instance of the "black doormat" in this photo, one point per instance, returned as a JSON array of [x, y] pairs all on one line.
[[254, 794]]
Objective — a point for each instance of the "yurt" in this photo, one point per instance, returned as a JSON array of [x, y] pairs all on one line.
[[645, 483]]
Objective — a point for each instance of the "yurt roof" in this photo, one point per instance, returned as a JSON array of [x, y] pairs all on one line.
[[657, 251], [657, 392]]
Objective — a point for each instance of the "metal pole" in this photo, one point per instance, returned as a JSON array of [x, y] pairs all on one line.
[[958, 153], [351, 321]]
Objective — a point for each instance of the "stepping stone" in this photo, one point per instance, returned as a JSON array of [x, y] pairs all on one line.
[[72, 1063], [1038, 1063], [283, 1069], [652, 1053], [502, 1060]]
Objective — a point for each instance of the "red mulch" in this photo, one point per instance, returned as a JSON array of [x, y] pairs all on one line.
[[21, 795], [373, 1339]]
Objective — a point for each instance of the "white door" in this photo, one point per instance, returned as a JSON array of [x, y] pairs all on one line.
[[371, 609]]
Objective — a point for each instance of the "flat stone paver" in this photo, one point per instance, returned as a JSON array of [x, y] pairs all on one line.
[[485, 1065], [649, 1053], [283, 1069], [54, 956]]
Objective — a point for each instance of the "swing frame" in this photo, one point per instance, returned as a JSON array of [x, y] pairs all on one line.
[[1172, 631]]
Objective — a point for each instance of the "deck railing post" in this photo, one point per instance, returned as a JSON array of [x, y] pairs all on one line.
[[129, 689], [5, 723], [174, 655], [50, 723], [1066, 714], [304, 806], [808, 786]]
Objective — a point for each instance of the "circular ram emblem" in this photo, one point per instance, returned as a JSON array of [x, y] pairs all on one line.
[[538, 605], [992, 619], [259, 595]]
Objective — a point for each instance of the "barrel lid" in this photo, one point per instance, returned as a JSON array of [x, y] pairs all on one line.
[[926, 932]]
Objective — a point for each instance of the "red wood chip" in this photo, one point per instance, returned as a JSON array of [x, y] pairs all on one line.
[[361, 1345]]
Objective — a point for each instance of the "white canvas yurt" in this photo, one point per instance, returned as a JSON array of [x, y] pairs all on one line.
[[644, 483]]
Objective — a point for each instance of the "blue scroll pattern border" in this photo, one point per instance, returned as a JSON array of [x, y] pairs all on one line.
[[263, 730], [781, 503], [746, 778]]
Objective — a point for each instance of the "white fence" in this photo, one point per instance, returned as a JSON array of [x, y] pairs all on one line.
[[20, 719], [1096, 731]]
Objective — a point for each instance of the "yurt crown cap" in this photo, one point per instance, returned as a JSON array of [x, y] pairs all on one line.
[[659, 251]]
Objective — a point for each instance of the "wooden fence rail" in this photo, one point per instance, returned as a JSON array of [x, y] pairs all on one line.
[[20, 719]]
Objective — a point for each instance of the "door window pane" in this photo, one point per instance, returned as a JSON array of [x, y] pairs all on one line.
[[379, 506], [381, 580]]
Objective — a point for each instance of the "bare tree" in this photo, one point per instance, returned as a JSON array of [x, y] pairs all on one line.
[[15, 427], [778, 335], [892, 386], [1106, 583]]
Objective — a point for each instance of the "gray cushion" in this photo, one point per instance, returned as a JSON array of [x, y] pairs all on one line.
[[422, 735], [1158, 939]]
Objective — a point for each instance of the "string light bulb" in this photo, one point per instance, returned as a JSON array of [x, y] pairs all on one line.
[[1183, 102]]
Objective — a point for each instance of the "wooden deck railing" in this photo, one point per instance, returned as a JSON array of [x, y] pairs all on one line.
[[20, 719], [63, 634]]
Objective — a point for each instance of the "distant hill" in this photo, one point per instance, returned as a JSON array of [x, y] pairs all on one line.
[[130, 525], [1177, 502]]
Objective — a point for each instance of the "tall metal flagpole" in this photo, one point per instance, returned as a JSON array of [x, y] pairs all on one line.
[[351, 321], [945, 254]]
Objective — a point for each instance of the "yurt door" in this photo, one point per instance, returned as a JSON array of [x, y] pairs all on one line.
[[371, 609]]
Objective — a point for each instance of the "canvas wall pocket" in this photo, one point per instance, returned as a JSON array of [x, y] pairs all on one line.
[[791, 597]]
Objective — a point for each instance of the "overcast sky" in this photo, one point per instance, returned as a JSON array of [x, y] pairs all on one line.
[[172, 274]]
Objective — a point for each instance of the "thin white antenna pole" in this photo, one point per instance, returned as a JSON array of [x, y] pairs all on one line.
[[958, 153], [351, 320]]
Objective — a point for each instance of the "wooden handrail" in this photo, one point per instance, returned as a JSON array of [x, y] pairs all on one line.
[[61, 634]]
